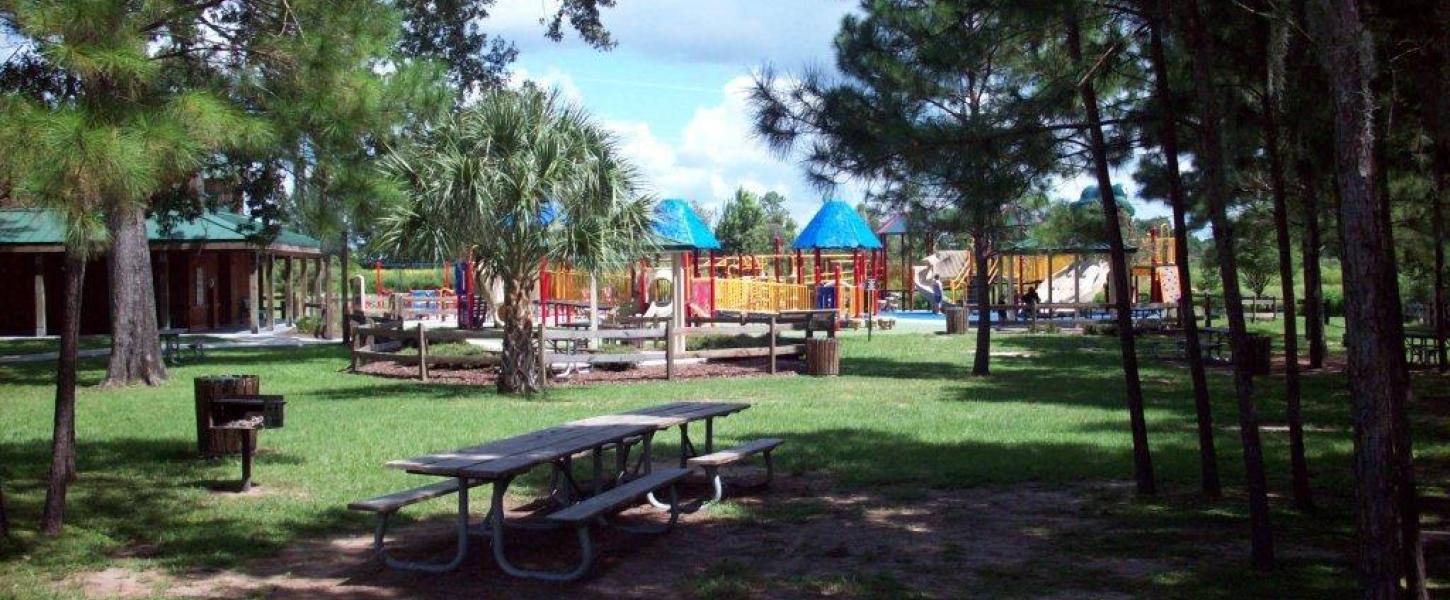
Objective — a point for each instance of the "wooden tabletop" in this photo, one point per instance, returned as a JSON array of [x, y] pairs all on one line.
[[520, 453]]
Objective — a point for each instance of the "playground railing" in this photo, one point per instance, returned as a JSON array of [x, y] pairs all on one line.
[[757, 295]]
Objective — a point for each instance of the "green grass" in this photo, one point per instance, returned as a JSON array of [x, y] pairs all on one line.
[[905, 418], [49, 344]]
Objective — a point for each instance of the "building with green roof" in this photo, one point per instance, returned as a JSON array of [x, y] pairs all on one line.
[[209, 273]]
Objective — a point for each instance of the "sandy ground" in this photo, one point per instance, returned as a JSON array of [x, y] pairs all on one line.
[[795, 538]]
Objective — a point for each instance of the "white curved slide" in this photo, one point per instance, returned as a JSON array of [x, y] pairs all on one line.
[[948, 264], [1078, 283]]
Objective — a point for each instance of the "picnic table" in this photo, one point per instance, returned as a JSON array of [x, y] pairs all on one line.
[[500, 462], [1420, 349], [171, 345]]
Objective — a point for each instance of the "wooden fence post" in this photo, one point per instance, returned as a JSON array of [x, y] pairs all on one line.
[[352, 354], [771, 335], [422, 353], [543, 359], [669, 350]]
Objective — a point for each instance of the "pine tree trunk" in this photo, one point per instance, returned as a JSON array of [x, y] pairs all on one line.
[[344, 303], [981, 360], [1374, 334], [62, 441], [1437, 222], [1207, 454], [519, 373], [1118, 257], [1299, 465], [1212, 163], [135, 343], [1313, 282]]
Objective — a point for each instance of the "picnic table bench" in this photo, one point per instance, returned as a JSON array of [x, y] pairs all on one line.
[[172, 346], [568, 503]]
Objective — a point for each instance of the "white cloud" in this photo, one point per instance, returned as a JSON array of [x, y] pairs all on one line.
[[716, 155], [735, 32], [551, 78]]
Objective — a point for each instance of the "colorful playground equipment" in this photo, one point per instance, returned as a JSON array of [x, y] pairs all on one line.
[[836, 263]]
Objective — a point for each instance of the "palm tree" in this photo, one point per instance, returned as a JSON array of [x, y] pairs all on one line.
[[518, 179]]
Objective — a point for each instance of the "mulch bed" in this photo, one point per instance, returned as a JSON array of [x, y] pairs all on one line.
[[746, 367]]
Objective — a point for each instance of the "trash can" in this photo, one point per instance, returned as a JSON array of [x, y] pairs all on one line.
[[211, 441]]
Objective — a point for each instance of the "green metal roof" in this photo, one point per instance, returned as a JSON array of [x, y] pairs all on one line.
[[1030, 246], [32, 226]]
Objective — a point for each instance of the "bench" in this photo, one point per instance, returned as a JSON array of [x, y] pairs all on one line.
[[712, 462], [388, 504], [580, 515]]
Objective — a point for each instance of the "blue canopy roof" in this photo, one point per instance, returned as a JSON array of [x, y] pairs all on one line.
[[836, 226], [679, 228]]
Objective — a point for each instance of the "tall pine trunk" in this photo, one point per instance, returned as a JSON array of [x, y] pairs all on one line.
[[1374, 334], [981, 359], [62, 440], [135, 344], [1313, 280], [1118, 258], [1437, 223], [519, 373], [344, 301], [1212, 164], [1293, 413], [1168, 119]]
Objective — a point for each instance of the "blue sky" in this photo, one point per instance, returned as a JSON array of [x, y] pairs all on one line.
[[673, 88]]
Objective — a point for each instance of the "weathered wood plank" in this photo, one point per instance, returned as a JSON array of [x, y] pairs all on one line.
[[397, 500], [731, 455], [619, 496], [786, 350]]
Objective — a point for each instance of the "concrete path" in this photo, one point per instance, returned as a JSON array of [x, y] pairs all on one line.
[[279, 337]]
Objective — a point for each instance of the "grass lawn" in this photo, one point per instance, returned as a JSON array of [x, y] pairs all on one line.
[[49, 344], [905, 419]]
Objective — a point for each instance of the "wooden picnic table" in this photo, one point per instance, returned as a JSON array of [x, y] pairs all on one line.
[[499, 462]]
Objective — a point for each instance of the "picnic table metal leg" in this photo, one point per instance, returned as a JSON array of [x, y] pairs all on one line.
[[404, 565], [496, 511]]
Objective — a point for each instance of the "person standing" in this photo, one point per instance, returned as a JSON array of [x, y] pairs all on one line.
[[936, 294]]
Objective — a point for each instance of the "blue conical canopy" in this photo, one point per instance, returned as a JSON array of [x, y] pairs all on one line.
[[679, 228], [836, 226]]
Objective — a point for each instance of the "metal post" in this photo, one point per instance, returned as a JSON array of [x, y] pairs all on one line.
[[422, 353], [669, 351]]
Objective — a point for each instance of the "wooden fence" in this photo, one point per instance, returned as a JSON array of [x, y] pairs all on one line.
[[568, 346]]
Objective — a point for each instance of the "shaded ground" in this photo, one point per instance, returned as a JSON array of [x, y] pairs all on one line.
[[754, 367], [797, 538]]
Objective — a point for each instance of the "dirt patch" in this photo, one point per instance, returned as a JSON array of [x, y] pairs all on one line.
[[785, 367], [798, 538]]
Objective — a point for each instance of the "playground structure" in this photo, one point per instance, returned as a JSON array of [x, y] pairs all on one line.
[[1069, 274], [837, 263]]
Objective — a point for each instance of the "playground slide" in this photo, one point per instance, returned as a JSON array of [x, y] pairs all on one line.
[[949, 265], [1093, 276]]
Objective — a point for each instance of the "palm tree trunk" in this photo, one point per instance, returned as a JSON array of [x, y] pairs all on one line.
[[1212, 164], [519, 373], [1207, 455], [135, 344], [1299, 466], [981, 359], [1373, 344], [62, 441], [1313, 281], [1142, 458]]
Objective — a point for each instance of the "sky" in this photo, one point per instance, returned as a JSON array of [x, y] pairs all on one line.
[[674, 90]]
